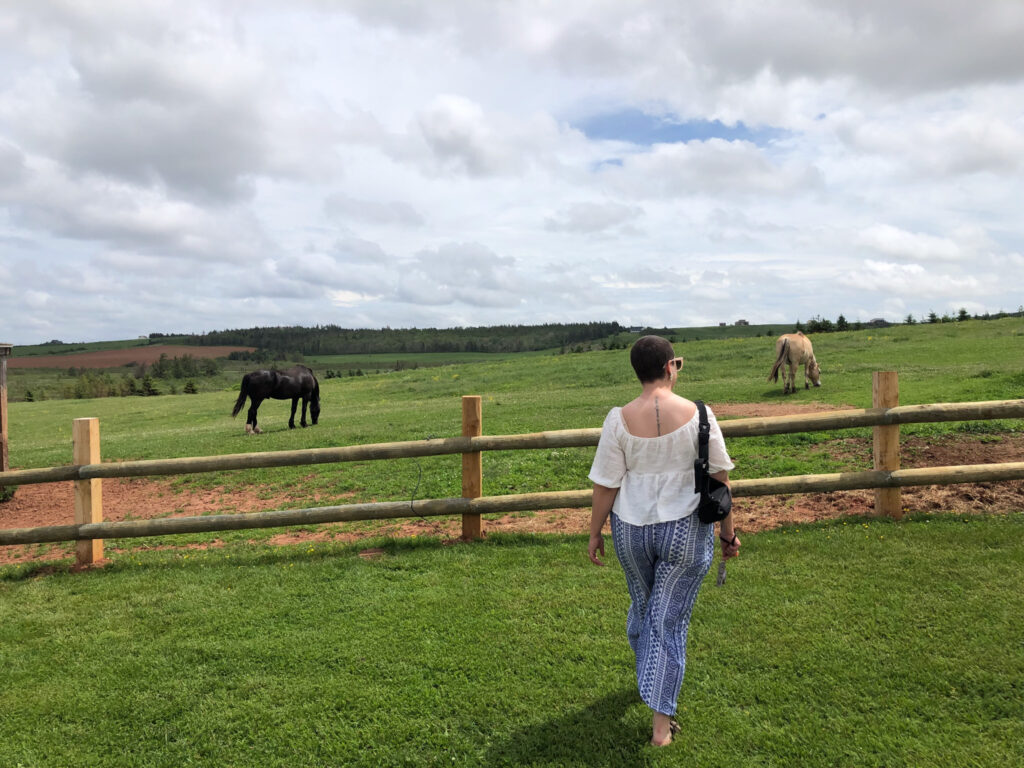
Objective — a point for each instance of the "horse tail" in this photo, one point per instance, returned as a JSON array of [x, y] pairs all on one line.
[[783, 351], [241, 396]]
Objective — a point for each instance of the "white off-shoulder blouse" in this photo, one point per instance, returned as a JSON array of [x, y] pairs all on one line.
[[654, 475]]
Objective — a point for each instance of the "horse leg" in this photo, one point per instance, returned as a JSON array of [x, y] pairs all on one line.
[[291, 419], [790, 379], [305, 402], [250, 419], [807, 384]]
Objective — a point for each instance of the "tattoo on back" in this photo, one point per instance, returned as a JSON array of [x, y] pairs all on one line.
[[657, 416]]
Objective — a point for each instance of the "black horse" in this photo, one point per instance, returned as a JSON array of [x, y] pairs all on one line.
[[295, 383]]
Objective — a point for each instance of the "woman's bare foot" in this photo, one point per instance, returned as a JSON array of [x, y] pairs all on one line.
[[662, 727]]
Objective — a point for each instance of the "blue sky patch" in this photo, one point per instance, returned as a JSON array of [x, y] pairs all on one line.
[[638, 127]]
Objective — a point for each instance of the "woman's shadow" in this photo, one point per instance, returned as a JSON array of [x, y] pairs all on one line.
[[597, 735]]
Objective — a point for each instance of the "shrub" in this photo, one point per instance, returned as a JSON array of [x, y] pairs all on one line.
[[148, 387]]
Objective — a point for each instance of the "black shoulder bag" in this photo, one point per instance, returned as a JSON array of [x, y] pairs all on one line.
[[715, 498]]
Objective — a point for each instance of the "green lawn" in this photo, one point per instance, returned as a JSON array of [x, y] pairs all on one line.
[[852, 643]]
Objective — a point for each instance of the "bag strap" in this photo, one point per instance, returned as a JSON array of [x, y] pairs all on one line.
[[701, 465]]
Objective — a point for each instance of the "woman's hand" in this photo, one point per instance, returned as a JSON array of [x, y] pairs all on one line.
[[604, 498], [730, 547], [596, 545]]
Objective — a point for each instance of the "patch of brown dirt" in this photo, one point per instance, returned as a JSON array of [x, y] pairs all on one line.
[[113, 358], [762, 410], [52, 503]]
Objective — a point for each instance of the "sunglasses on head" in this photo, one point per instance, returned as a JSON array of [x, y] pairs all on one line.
[[676, 363]]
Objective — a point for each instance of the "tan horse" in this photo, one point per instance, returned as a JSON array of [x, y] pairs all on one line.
[[791, 350]]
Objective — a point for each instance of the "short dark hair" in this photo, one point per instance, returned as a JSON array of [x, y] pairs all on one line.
[[649, 355]]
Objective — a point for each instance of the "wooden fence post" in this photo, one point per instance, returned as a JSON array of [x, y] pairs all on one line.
[[472, 467], [885, 393], [5, 462], [85, 438]]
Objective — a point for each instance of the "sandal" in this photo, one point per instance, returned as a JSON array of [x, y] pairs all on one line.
[[673, 729]]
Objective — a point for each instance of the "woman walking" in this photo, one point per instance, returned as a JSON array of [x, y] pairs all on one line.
[[643, 478]]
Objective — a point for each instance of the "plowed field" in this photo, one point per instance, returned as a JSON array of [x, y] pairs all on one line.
[[113, 358]]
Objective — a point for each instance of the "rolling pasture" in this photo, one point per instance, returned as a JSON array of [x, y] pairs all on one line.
[[851, 642]]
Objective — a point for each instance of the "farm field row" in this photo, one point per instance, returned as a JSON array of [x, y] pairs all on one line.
[[114, 358]]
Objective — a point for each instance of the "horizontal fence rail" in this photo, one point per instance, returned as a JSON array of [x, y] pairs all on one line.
[[840, 481], [568, 438]]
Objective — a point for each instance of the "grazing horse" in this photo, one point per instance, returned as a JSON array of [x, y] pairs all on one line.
[[295, 383], [791, 350]]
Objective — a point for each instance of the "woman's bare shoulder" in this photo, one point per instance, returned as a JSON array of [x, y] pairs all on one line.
[[685, 407]]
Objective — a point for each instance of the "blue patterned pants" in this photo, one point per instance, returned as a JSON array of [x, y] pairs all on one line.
[[665, 564]]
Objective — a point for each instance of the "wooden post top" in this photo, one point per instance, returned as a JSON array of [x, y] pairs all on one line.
[[5, 349]]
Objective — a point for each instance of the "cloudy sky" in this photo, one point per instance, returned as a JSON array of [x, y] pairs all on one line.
[[169, 165]]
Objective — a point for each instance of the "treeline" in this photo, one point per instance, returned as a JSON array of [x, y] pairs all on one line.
[[824, 325], [333, 340], [164, 376]]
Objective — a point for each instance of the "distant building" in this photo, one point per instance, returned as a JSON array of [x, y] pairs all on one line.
[[742, 322]]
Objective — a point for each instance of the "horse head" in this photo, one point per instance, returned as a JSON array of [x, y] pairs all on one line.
[[314, 408], [814, 372]]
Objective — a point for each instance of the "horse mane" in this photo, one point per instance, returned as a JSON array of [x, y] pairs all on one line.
[[783, 350]]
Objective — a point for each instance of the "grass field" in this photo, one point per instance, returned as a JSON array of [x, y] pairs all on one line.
[[851, 643], [936, 363]]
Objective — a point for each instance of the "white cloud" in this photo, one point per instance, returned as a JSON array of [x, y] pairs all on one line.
[[12, 164], [350, 298], [709, 168], [944, 144], [911, 280], [389, 212], [898, 243], [593, 217], [462, 273], [462, 138]]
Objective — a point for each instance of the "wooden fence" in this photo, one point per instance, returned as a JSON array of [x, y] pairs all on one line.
[[886, 478]]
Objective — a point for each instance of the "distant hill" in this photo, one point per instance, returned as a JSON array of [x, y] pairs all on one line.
[[283, 342], [293, 342]]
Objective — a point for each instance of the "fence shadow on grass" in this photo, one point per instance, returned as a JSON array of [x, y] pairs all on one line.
[[597, 735]]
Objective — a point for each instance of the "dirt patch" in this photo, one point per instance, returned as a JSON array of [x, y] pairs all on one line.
[[114, 358], [762, 410], [52, 503]]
